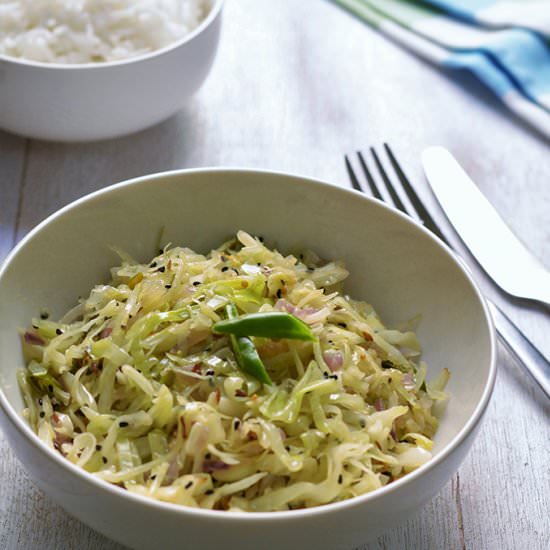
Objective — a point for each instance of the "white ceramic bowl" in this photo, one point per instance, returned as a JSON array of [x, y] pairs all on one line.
[[92, 101], [395, 264]]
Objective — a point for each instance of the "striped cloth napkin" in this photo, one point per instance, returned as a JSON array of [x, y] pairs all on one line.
[[505, 43]]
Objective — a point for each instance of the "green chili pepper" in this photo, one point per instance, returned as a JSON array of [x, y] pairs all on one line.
[[245, 352], [273, 324]]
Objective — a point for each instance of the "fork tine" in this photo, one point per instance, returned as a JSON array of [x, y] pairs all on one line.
[[355, 181], [421, 210], [394, 196], [352, 176], [373, 187]]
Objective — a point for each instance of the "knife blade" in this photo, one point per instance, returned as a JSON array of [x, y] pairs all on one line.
[[501, 254]]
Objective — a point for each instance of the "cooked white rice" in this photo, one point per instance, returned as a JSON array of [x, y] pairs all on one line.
[[84, 31]]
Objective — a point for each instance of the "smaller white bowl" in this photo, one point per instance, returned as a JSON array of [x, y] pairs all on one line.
[[92, 101]]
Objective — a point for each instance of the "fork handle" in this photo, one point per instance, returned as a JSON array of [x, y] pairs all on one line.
[[522, 349]]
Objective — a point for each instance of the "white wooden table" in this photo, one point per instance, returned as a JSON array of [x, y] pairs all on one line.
[[295, 86]]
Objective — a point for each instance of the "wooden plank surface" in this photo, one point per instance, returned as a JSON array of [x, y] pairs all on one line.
[[295, 86], [13, 153]]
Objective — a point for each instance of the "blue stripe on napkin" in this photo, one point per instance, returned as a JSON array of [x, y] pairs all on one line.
[[525, 57], [464, 9]]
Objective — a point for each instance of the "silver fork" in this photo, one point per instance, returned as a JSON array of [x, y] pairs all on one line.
[[510, 335]]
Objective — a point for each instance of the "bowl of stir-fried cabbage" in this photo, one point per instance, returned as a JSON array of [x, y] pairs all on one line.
[[231, 357]]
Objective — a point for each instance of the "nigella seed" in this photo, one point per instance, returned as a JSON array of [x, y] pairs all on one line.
[[236, 424], [44, 314], [153, 264], [40, 402], [189, 484], [209, 492], [196, 283], [161, 269], [279, 293], [58, 331], [42, 414], [50, 388], [334, 377], [98, 447], [209, 372], [225, 268], [235, 270], [343, 325], [123, 424], [167, 286], [153, 477], [104, 459], [340, 479]]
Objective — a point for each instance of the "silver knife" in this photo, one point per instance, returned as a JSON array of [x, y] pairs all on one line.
[[435, 160], [522, 348], [491, 242]]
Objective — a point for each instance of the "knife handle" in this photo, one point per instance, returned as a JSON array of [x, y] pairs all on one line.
[[522, 349]]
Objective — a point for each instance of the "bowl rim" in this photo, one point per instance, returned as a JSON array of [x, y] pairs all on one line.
[[221, 515], [213, 14]]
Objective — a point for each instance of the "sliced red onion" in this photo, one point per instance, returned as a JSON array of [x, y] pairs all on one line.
[[212, 465], [33, 338], [105, 333], [301, 313], [334, 359], [379, 404], [306, 314], [284, 305]]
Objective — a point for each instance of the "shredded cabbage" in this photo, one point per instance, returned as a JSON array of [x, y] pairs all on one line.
[[135, 387]]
